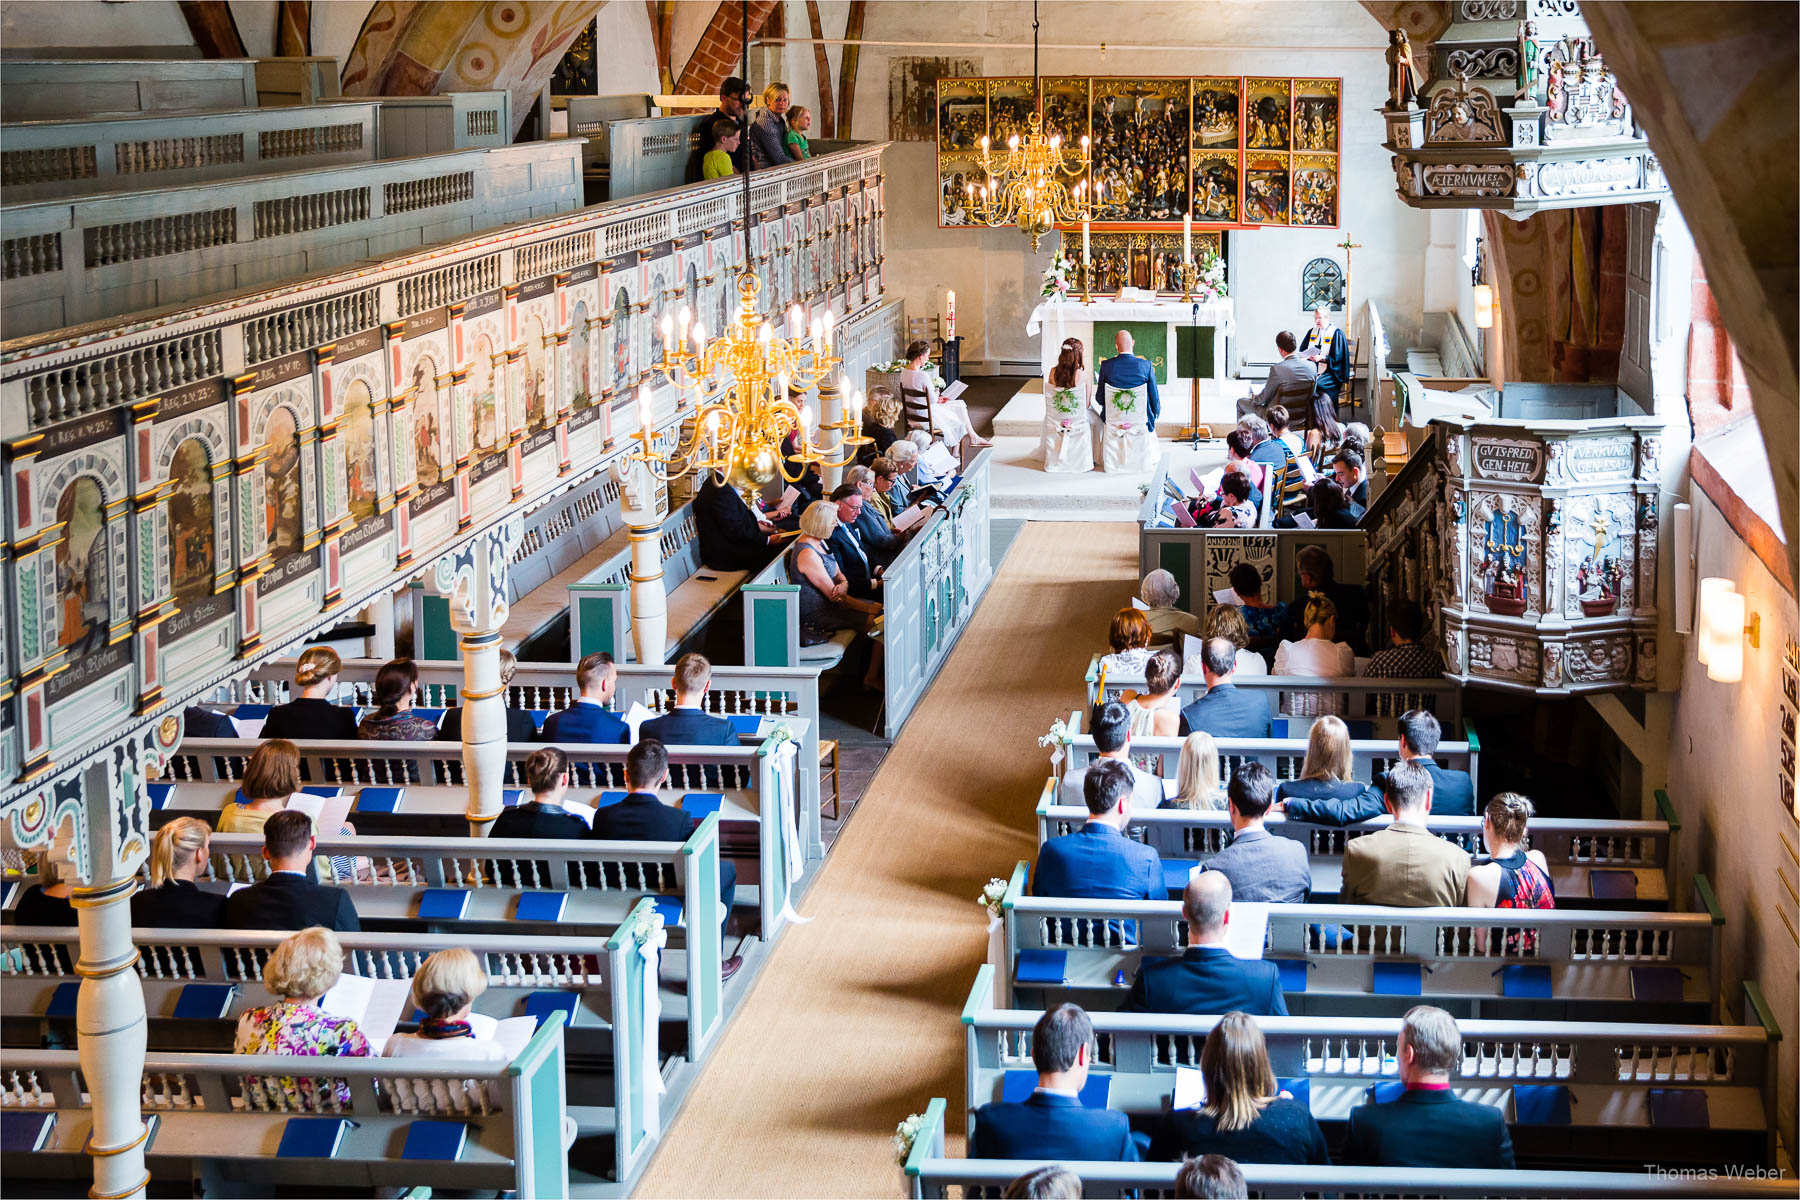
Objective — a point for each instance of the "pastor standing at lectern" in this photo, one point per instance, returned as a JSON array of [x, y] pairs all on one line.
[[1126, 371], [1327, 349]]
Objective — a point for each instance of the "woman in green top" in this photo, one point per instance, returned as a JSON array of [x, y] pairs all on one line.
[[799, 121], [717, 162]]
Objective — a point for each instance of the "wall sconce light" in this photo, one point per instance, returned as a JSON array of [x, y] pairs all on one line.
[[1725, 625], [1484, 306]]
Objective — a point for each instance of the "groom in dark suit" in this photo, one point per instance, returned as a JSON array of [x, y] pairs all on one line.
[[1126, 370]]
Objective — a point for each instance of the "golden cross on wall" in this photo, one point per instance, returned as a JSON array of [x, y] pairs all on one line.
[[1347, 246]]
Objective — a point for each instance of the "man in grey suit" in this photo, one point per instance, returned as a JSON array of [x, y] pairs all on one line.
[[1260, 865], [1291, 369]]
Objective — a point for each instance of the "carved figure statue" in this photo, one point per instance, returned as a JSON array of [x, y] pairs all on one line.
[[1528, 72], [1403, 78]]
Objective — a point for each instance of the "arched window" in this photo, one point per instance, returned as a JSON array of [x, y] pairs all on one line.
[[1322, 282]]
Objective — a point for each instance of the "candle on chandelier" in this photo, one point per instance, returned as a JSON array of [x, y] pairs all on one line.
[[668, 328], [1187, 238], [828, 323], [644, 413], [698, 336], [856, 406], [686, 317], [806, 422], [815, 330]]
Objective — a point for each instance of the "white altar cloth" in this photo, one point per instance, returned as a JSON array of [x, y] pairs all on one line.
[[1221, 314]]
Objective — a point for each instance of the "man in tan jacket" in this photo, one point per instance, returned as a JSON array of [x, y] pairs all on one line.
[[1405, 865]]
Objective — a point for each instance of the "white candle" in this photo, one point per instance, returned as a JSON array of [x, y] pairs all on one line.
[[828, 323], [644, 410], [950, 313], [1187, 238], [1086, 254]]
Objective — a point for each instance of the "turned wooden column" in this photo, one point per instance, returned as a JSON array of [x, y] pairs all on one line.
[[831, 441], [475, 580], [649, 595], [110, 1036]]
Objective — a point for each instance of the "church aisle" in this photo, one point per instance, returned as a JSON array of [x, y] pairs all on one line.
[[853, 1022]]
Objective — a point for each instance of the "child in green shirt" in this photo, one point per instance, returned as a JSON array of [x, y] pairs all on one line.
[[799, 121], [716, 163]]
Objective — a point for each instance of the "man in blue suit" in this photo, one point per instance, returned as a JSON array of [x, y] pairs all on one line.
[[860, 566], [687, 724], [1126, 370], [1097, 861], [1053, 1123], [1452, 791], [1427, 1126], [1208, 979], [1223, 711], [588, 720]]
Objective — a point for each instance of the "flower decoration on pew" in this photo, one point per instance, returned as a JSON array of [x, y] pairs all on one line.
[[905, 1134], [992, 895], [1058, 737]]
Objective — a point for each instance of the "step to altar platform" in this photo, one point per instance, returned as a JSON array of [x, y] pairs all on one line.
[[1023, 415], [1020, 489]]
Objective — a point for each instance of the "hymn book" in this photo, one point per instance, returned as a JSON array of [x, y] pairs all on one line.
[[954, 390], [912, 516]]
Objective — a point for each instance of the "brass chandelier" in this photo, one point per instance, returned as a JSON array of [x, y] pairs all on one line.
[[743, 380], [1028, 187]]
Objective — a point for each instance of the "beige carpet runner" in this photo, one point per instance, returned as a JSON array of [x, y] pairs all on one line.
[[853, 1023]]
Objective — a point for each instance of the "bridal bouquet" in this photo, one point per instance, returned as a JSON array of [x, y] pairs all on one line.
[[1210, 286], [1058, 277]]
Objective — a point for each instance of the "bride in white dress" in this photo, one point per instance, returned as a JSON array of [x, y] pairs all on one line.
[[1068, 395], [1127, 444], [949, 417]]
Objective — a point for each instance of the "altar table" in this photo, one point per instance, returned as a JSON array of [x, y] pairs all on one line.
[[1181, 343]]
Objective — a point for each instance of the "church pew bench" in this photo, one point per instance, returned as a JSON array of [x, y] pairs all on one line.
[[220, 1124], [790, 693], [1585, 855], [1337, 958], [603, 883], [759, 812], [772, 622], [1285, 757], [931, 1174], [599, 603], [1378, 703], [1613, 1073], [36, 964]]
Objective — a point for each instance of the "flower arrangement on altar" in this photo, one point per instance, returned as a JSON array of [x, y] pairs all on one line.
[[991, 896], [1209, 286], [1059, 277]]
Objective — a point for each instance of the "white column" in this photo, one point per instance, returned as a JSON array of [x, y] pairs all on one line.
[[110, 1035], [649, 598], [831, 441], [380, 614], [475, 580]]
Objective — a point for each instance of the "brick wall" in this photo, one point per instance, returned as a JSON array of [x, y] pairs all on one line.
[[1716, 388], [716, 56]]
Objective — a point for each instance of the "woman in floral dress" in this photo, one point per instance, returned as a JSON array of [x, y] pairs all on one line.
[[1068, 395], [300, 971]]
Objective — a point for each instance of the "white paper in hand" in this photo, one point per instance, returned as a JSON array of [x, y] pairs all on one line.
[[911, 517], [954, 390], [1139, 605], [1247, 929], [938, 459], [1183, 518], [788, 496], [376, 1005], [1190, 1088], [1305, 521], [1190, 649], [1308, 472], [1225, 596], [635, 717]]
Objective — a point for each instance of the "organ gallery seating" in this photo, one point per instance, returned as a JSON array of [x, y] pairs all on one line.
[[1613, 1075], [1364, 959], [1593, 862]]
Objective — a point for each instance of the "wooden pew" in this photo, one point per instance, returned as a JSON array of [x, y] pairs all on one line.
[[1285, 757], [1575, 848], [1378, 702], [932, 1175], [1330, 953], [219, 1122], [1609, 1070], [788, 693], [772, 623]]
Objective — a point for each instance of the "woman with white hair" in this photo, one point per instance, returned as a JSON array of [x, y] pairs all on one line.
[[298, 974], [927, 479], [1168, 622]]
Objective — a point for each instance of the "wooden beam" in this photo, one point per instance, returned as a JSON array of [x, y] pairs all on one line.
[[293, 29], [852, 57], [822, 64], [214, 30]]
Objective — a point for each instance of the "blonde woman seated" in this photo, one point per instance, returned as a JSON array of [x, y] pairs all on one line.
[[1068, 396], [1197, 783], [1156, 711], [1227, 621], [826, 604], [1243, 1116], [174, 900], [1324, 775], [1319, 653], [445, 990], [300, 971]]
